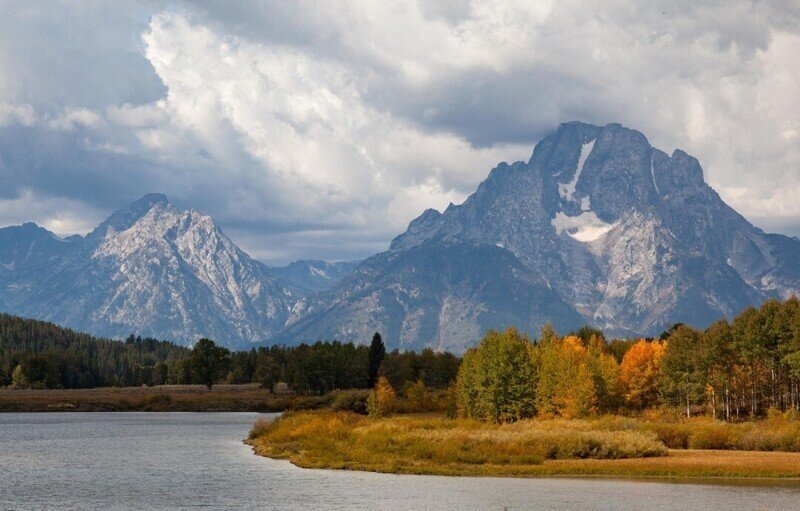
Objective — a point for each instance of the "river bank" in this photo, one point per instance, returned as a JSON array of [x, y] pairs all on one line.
[[162, 398], [437, 446]]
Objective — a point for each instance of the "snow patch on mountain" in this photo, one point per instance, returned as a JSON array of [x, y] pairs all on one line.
[[567, 190], [653, 173], [585, 227], [318, 272]]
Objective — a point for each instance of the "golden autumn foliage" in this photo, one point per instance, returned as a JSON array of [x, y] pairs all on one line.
[[507, 378], [416, 394], [639, 372], [565, 386], [729, 371], [382, 400], [575, 380]]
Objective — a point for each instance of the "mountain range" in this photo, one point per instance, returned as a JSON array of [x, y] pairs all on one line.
[[153, 270], [598, 227]]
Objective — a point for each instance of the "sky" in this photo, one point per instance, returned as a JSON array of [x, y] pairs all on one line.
[[320, 129]]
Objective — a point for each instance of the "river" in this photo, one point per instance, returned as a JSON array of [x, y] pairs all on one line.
[[185, 460]]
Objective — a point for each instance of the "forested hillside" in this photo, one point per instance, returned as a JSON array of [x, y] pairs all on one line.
[[40, 354]]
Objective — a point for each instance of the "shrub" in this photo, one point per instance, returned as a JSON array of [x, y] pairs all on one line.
[[382, 400], [415, 394], [350, 401], [673, 435], [260, 427], [711, 435], [311, 402], [156, 402]]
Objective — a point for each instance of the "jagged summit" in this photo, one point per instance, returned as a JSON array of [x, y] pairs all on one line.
[[148, 200], [124, 218], [155, 270], [630, 238]]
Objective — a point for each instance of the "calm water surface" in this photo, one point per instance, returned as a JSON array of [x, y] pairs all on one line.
[[176, 460]]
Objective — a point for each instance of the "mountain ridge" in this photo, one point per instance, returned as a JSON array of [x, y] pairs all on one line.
[[631, 237], [597, 227]]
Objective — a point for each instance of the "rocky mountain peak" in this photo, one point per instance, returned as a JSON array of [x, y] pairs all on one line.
[[124, 218], [155, 270], [631, 238]]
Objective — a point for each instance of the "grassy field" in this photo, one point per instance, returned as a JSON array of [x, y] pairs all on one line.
[[609, 446], [173, 398]]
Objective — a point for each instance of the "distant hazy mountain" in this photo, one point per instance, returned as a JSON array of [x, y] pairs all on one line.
[[149, 269], [598, 227], [311, 276], [29, 246]]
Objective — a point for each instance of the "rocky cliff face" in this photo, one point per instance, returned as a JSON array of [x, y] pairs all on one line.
[[598, 227], [153, 270]]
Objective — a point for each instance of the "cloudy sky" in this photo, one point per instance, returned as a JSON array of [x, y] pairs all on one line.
[[319, 129]]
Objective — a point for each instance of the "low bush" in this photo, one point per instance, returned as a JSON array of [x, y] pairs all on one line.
[[312, 402], [350, 401], [780, 432], [260, 427]]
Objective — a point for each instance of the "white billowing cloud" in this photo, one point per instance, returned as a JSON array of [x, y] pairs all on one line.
[[304, 120], [717, 79], [319, 129]]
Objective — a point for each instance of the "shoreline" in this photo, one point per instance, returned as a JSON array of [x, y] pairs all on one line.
[[162, 398], [563, 471], [436, 446], [731, 481]]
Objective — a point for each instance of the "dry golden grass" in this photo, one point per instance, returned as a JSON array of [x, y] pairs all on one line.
[[686, 463], [610, 446], [434, 445], [159, 398], [775, 434]]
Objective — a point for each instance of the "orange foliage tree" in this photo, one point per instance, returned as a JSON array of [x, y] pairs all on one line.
[[639, 372]]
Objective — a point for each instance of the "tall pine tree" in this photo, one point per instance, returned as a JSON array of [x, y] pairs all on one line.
[[377, 351]]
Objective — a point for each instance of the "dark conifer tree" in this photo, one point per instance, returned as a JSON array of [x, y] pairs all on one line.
[[377, 352]]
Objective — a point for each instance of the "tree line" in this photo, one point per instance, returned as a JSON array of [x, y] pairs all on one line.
[[38, 354], [321, 367], [731, 370], [736, 369]]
